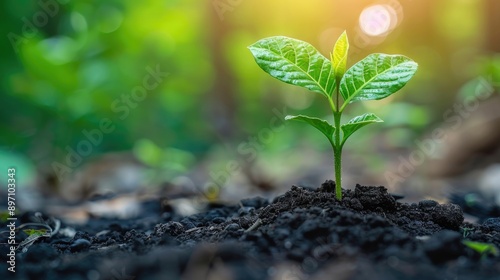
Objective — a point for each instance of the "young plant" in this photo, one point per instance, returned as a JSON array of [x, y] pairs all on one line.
[[299, 63], [482, 248]]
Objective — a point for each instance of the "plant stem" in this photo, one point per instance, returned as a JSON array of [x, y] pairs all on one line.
[[337, 145], [337, 154]]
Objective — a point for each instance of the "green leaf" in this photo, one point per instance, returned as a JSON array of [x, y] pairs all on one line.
[[325, 127], [356, 123], [375, 77], [481, 248], [30, 232], [339, 56], [295, 62]]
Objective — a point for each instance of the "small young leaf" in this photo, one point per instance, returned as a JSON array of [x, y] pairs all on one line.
[[30, 232], [339, 56], [375, 77], [358, 122], [295, 62], [326, 128], [481, 248]]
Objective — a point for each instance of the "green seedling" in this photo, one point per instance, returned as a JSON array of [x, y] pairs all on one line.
[[482, 248], [38, 232], [298, 63], [4, 215]]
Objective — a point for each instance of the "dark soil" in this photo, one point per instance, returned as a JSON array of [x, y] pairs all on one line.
[[302, 234]]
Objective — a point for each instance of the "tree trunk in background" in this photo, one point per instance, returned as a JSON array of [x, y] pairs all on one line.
[[492, 25], [222, 95]]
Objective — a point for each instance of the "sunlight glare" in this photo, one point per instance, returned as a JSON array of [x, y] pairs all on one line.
[[377, 20]]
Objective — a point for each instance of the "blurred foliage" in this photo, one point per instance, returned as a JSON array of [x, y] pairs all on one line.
[[164, 164], [482, 248], [67, 65]]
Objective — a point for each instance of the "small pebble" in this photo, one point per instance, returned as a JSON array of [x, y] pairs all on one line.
[[232, 227], [187, 223], [245, 211], [218, 220], [79, 245], [492, 224]]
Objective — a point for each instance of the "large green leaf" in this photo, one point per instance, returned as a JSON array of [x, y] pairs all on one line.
[[375, 77], [325, 127], [356, 123], [295, 62], [339, 55]]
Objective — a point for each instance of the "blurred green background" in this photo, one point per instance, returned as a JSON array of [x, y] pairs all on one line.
[[67, 66]]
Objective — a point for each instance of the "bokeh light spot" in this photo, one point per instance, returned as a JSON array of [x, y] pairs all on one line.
[[110, 19], [59, 50], [377, 20], [78, 22]]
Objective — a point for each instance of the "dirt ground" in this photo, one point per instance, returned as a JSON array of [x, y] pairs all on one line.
[[302, 234]]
